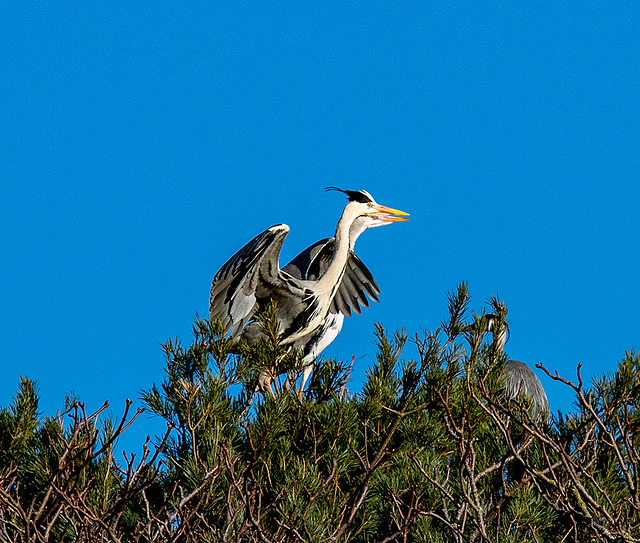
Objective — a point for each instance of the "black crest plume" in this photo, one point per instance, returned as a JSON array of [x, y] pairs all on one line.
[[361, 196]]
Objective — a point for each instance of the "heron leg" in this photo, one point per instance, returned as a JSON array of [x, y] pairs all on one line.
[[306, 373]]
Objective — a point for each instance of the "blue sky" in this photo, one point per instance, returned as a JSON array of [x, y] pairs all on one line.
[[143, 143]]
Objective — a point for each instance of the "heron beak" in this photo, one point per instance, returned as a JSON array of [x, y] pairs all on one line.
[[388, 214]]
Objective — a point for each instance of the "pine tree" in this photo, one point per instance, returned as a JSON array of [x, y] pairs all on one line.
[[58, 478], [429, 450]]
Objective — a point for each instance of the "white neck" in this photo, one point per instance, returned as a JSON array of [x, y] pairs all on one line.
[[500, 339], [330, 279], [325, 287], [499, 334], [357, 227]]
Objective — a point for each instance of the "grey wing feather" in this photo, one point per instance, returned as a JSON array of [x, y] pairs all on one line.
[[518, 378], [299, 266], [352, 295], [364, 277], [340, 304], [247, 276]]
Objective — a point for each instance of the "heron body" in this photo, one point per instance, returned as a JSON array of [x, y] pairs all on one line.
[[357, 283], [518, 379], [252, 278]]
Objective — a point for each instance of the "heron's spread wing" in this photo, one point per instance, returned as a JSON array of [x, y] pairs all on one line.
[[357, 280], [248, 277]]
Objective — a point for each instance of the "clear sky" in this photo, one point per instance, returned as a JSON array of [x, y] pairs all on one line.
[[143, 143]]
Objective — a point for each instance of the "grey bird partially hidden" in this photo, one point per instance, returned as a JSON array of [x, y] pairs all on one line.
[[518, 379]]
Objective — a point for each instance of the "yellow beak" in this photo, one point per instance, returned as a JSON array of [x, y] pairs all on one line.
[[390, 214]]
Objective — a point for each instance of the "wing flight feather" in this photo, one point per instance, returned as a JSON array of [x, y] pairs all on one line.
[[248, 276]]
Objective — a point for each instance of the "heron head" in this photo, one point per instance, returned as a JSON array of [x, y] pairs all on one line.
[[499, 328], [369, 213], [490, 322]]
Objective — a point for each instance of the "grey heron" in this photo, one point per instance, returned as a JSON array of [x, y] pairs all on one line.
[[357, 283], [518, 380], [252, 279]]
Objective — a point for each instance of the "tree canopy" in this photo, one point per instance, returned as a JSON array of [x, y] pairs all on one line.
[[429, 450]]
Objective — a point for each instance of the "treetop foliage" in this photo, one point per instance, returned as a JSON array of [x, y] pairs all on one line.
[[430, 450]]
